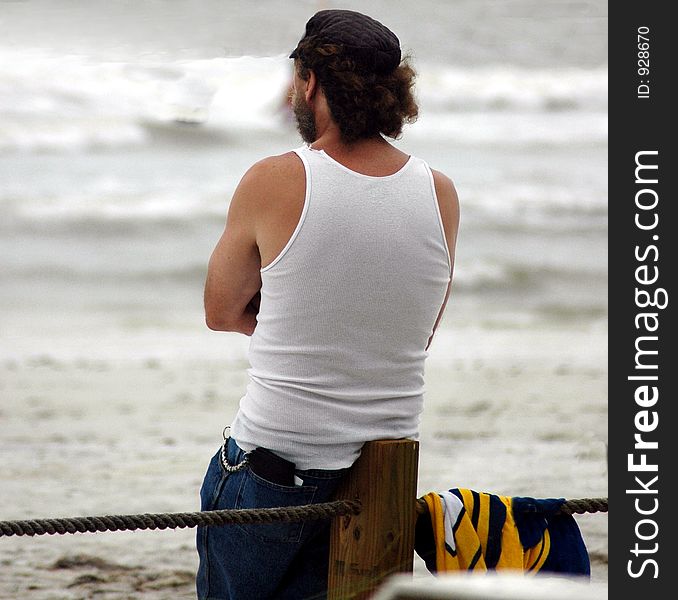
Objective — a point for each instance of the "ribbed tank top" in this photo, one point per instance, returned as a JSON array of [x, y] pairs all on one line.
[[347, 309]]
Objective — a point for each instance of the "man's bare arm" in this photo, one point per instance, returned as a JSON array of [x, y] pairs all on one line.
[[449, 213], [233, 276], [264, 212]]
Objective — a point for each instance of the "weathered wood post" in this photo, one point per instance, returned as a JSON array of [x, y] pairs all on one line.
[[380, 540]]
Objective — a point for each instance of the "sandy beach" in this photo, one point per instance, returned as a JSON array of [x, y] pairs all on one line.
[[115, 437]]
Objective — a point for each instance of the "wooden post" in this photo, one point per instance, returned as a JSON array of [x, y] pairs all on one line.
[[366, 548]]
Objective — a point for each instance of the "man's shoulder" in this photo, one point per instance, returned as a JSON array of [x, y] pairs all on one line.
[[442, 182], [448, 202], [278, 169], [270, 182], [445, 189]]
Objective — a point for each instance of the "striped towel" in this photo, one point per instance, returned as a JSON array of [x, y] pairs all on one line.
[[477, 531]]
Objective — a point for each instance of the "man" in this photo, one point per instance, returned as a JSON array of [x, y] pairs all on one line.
[[337, 260]]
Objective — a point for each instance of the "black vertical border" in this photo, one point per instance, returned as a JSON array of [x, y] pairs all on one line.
[[641, 124]]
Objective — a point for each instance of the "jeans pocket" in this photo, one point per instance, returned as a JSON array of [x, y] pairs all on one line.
[[256, 492], [212, 484]]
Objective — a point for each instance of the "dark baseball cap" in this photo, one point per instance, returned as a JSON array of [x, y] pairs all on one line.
[[373, 46]]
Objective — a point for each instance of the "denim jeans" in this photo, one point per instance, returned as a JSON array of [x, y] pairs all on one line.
[[268, 561]]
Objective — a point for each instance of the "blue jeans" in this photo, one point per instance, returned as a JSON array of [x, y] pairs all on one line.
[[268, 561]]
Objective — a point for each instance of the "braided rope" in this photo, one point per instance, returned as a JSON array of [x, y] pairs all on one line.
[[569, 507], [289, 514], [584, 505], [249, 516]]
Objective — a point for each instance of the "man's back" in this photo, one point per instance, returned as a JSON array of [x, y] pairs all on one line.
[[288, 183], [347, 309]]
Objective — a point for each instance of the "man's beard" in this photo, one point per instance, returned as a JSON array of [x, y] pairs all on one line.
[[305, 119]]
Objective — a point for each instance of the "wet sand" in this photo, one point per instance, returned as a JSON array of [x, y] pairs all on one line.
[[520, 412]]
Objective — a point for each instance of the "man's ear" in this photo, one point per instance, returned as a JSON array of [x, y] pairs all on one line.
[[311, 86]]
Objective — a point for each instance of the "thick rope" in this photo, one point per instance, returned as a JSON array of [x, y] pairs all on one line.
[[289, 514], [584, 505], [569, 507], [249, 516]]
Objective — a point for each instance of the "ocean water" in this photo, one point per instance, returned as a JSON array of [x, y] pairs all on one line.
[[124, 129]]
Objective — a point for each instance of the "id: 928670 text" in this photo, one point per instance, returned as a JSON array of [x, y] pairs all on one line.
[[643, 71]]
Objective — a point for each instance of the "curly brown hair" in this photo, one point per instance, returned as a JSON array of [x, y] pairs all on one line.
[[362, 103]]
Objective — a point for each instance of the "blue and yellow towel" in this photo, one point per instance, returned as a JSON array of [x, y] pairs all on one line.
[[476, 531]]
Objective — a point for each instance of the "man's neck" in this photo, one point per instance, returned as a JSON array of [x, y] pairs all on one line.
[[333, 144], [372, 156]]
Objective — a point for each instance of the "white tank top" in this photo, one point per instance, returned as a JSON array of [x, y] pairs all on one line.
[[347, 309]]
